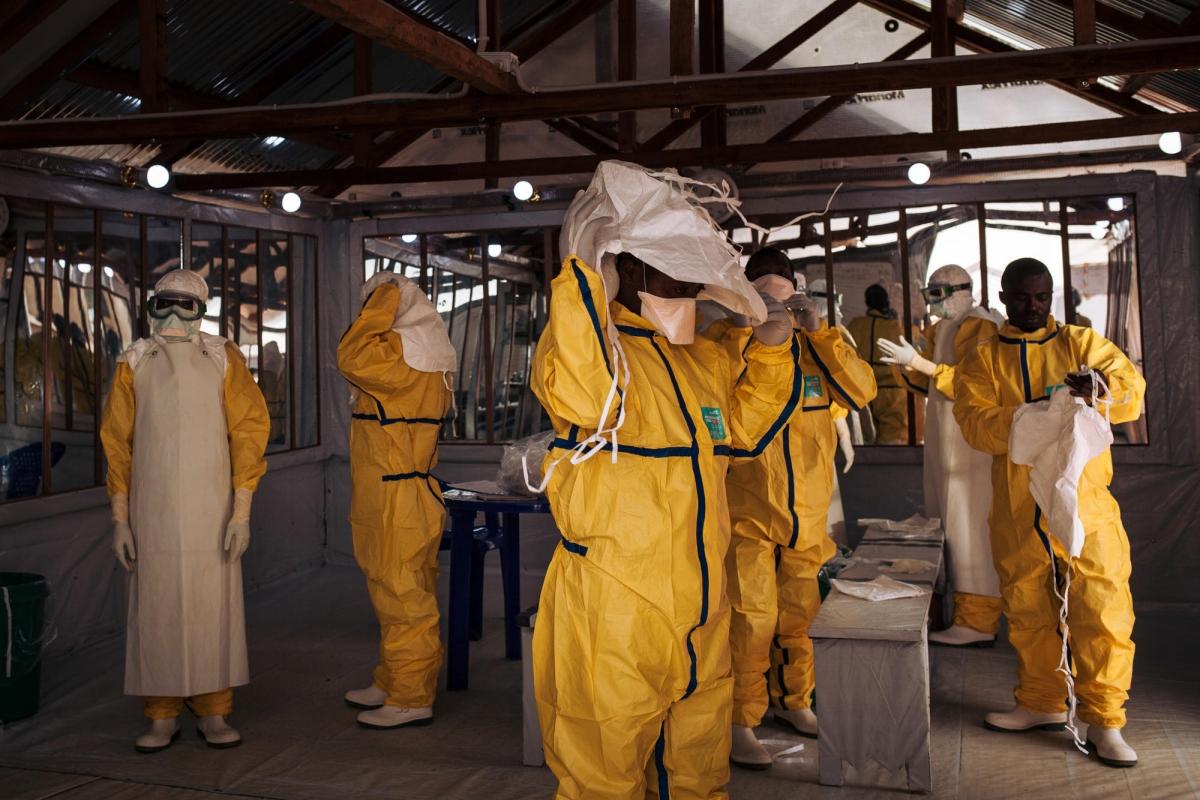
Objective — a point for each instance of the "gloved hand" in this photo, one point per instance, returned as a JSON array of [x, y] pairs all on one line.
[[777, 327], [123, 544], [844, 443], [904, 355], [237, 532], [806, 311]]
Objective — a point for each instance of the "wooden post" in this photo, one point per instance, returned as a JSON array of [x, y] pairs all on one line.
[[1064, 235], [491, 151], [1084, 23], [827, 241], [47, 321], [152, 54], [683, 35], [981, 219], [486, 341], [712, 58], [945, 98], [425, 267], [627, 69], [98, 301], [907, 324], [364, 81]]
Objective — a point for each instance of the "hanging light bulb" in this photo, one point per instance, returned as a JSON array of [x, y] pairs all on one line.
[[158, 176], [919, 173], [1099, 231], [1116, 204], [523, 190], [83, 267], [1170, 143], [494, 250], [290, 202], [108, 272], [408, 238]]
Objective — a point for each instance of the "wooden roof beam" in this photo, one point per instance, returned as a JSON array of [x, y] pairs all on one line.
[[19, 19], [581, 137], [764, 60], [67, 56], [1097, 94], [386, 24], [683, 36], [838, 147], [1128, 57]]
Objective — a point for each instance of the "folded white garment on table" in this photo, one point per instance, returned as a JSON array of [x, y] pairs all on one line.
[[881, 588], [906, 566], [914, 524]]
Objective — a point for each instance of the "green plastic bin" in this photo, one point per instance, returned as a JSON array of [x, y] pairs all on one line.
[[22, 616]]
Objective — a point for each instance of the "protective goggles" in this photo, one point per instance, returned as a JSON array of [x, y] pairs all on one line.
[[186, 308], [937, 292], [837, 296]]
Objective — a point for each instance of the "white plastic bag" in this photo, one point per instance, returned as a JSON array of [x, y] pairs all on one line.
[[881, 588], [531, 450], [1058, 439]]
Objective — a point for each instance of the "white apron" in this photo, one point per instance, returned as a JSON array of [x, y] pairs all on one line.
[[186, 630], [958, 479]]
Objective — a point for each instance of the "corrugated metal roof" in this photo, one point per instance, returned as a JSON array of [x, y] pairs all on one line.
[[223, 47]]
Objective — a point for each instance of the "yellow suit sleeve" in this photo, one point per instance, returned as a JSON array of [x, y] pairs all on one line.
[[837, 412], [116, 431], [371, 354], [984, 422], [851, 380], [247, 419], [1126, 386], [573, 365], [765, 394]]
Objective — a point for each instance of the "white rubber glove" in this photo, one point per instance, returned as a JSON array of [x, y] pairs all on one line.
[[777, 327], [844, 443], [904, 355], [123, 544], [237, 532], [806, 311]]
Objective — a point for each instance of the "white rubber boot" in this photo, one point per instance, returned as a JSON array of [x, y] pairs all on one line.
[[395, 717], [1108, 745], [746, 751], [162, 733], [962, 636], [803, 721], [1022, 719], [367, 699], [217, 733]]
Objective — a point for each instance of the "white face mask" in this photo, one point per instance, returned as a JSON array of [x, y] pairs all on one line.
[[674, 318], [953, 306], [777, 286], [174, 329]]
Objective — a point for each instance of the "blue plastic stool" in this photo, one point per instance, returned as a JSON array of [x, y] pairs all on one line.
[[468, 544]]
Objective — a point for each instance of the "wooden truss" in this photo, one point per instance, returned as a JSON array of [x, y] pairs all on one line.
[[366, 134]]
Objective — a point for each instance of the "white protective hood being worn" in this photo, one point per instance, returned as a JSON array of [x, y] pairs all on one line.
[[655, 217], [427, 346]]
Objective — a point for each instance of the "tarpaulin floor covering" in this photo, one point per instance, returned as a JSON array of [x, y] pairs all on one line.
[[314, 637]]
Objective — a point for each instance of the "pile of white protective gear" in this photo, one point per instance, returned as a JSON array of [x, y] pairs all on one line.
[[878, 589], [1057, 440], [659, 219]]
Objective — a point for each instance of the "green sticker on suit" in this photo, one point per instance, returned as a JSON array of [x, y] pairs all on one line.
[[714, 422]]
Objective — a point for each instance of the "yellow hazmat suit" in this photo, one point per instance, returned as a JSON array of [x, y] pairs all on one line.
[[631, 647], [779, 499], [396, 511], [952, 490], [890, 406], [1003, 373]]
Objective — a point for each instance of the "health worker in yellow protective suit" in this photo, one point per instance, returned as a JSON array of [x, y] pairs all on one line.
[[779, 497], [396, 356], [889, 409], [958, 478], [184, 431], [1030, 357]]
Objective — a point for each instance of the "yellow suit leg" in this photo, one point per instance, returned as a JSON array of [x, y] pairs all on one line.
[[1101, 623], [890, 410], [978, 612], [609, 692], [410, 648], [754, 613], [792, 674]]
